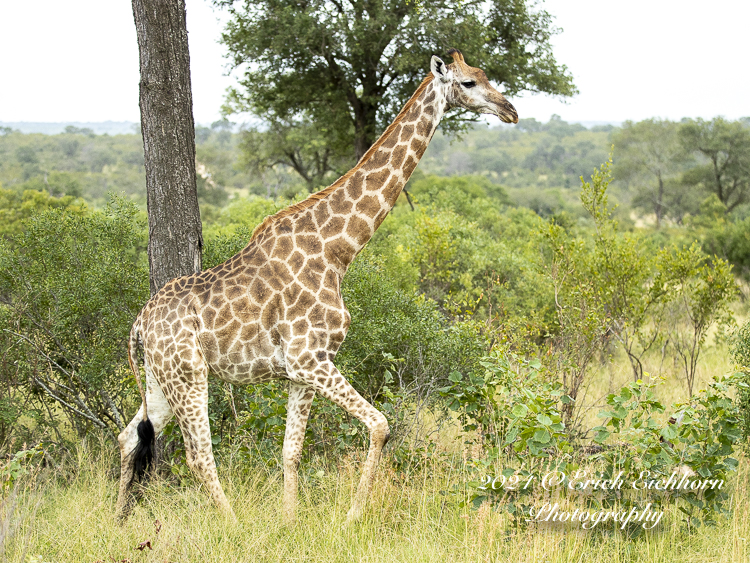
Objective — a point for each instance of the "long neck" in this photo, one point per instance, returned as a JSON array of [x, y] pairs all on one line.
[[358, 202]]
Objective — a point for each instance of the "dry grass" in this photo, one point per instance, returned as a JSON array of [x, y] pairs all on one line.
[[412, 517]]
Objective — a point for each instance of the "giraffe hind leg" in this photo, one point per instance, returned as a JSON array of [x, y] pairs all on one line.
[[189, 400], [135, 441], [298, 409]]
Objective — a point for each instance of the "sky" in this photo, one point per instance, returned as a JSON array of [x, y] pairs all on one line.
[[77, 61]]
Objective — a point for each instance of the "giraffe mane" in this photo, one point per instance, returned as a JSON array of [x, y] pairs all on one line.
[[322, 194]]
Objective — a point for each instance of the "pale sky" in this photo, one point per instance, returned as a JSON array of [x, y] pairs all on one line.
[[77, 60]]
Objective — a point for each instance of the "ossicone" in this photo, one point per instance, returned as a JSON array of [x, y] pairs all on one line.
[[457, 56]]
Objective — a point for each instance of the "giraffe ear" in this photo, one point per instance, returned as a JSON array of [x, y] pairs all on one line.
[[439, 69]]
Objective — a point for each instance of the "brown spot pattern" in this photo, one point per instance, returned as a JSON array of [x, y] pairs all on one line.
[[275, 309]]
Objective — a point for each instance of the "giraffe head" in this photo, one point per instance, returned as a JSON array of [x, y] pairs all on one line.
[[468, 87]]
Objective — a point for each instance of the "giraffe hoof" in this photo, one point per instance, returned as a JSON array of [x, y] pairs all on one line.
[[289, 519], [354, 514]]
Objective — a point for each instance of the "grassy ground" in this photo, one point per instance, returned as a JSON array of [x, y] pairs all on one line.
[[411, 518], [68, 515]]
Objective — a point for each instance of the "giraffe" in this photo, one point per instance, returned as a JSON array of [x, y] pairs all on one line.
[[275, 309]]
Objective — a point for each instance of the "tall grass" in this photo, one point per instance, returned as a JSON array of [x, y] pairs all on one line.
[[67, 513], [411, 517]]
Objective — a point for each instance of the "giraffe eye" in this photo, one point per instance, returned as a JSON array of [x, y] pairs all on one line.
[[468, 84]]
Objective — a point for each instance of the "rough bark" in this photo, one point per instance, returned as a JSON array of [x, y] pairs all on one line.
[[660, 202], [166, 102]]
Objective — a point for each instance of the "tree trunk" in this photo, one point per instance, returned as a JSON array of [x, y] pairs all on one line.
[[364, 128], [660, 203], [174, 224]]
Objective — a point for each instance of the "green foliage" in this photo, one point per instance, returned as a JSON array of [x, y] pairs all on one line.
[[615, 285], [71, 285], [17, 207], [636, 446], [220, 171], [511, 404], [730, 241], [701, 436], [78, 163], [399, 342], [19, 465], [349, 68], [73, 163], [741, 356], [539, 169], [601, 282], [465, 249], [725, 167], [513, 407], [298, 145], [650, 156], [700, 292]]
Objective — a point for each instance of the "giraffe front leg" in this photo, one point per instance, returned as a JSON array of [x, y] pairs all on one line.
[[326, 379], [298, 409]]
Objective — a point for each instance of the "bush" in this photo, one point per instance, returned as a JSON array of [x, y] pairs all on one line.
[[741, 356], [700, 435], [70, 287], [513, 400]]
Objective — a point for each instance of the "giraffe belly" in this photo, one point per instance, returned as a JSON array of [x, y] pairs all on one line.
[[259, 370], [242, 363]]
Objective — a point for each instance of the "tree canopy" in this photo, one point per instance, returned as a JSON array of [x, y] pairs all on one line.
[[651, 155], [352, 64], [726, 147]]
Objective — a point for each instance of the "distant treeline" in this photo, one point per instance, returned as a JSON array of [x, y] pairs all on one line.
[[663, 171]]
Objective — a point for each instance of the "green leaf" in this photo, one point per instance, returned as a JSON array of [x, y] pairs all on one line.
[[544, 419], [455, 376], [601, 435], [669, 432], [542, 436], [511, 435]]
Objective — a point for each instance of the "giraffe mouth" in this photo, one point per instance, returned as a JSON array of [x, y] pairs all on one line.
[[506, 112]]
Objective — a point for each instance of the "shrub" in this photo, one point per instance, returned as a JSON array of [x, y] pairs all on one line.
[[638, 443], [741, 356], [70, 287]]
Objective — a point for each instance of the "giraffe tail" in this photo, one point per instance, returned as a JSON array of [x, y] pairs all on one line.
[[143, 453]]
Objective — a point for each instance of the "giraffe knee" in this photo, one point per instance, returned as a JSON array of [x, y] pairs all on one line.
[[380, 430], [291, 458], [127, 440]]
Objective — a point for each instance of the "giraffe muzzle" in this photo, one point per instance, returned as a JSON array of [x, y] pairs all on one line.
[[506, 112]]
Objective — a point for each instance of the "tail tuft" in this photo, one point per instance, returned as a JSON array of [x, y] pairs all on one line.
[[143, 454]]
